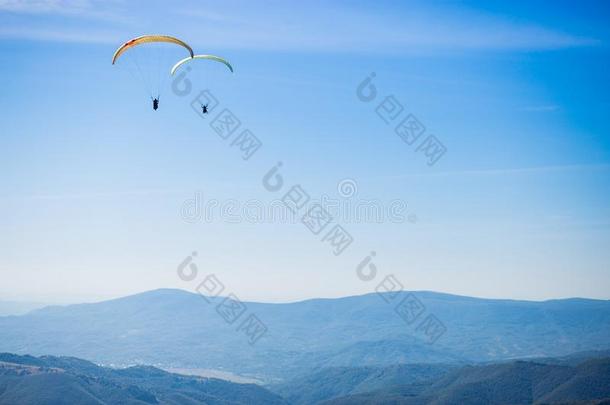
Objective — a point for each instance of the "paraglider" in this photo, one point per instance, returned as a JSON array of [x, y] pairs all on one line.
[[149, 56], [149, 64]]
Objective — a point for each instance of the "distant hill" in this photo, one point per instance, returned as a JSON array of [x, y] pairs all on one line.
[[67, 380], [177, 329], [336, 382], [17, 307], [61, 380], [518, 382]]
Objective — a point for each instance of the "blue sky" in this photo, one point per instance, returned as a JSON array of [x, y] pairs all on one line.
[[92, 180]]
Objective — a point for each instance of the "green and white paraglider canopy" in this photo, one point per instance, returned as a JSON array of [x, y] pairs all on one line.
[[207, 57]]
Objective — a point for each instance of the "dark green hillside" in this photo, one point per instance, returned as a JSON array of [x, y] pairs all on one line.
[[335, 382], [519, 382], [67, 380]]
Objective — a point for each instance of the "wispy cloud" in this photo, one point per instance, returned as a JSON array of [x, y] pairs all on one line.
[[101, 195], [503, 172], [45, 6], [315, 27], [66, 35], [106, 10], [77, 21], [335, 28]]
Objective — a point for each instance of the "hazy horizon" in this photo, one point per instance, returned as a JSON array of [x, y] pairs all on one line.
[[75, 300]]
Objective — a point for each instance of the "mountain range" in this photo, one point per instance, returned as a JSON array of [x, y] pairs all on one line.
[[178, 329]]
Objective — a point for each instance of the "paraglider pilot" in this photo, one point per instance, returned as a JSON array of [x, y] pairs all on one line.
[[155, 103], [204, 108]]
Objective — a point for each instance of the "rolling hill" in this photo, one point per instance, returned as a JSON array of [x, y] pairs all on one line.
[[518, 382], [65, 380], [68, 380], [335, 382], [174, 328]]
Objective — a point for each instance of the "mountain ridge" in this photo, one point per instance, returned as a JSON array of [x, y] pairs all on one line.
[[436, 294], [179, 329]]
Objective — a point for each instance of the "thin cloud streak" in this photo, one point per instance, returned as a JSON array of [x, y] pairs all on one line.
[[111, 194], [82, 9], [501, 172], [65, 36], [274, 29]]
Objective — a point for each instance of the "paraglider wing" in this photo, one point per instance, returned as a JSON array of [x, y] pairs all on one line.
[[146, 39], [208, 57]]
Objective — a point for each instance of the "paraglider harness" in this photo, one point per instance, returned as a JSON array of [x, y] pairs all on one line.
[[155, 103]]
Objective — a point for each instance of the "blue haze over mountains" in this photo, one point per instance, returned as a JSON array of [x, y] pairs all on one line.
[[175, 328]]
